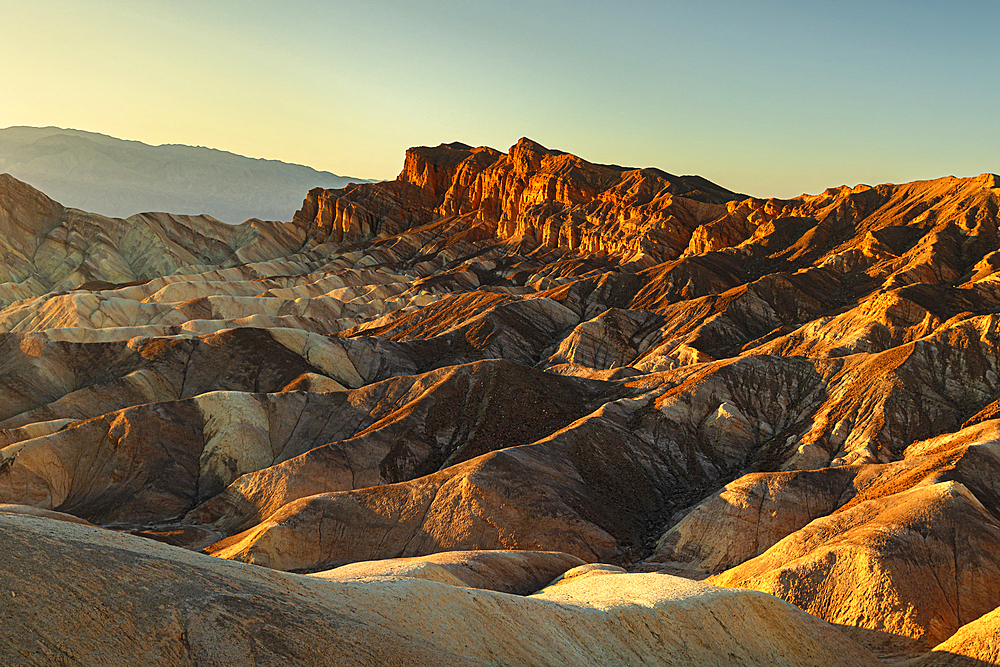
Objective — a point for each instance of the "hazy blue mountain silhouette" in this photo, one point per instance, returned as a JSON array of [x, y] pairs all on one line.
[[118, 178]]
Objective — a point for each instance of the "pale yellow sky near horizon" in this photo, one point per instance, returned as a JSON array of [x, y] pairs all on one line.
[[774, 101]]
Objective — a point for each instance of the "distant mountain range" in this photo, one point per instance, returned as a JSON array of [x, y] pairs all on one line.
[[119, 178]]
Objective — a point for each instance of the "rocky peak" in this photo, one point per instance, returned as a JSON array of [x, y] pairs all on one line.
[[557, 199], [432, 169], [526, 155]]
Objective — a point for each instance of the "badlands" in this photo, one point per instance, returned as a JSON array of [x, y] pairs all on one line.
[[508, 409]]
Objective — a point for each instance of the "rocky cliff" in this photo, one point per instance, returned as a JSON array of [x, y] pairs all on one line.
[[554, 198]]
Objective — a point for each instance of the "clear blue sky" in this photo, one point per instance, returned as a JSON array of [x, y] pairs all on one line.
[[771, 98]]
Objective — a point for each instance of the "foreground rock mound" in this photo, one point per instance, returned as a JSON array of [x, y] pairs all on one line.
[[515, 572], [854, 567], [200, 610]]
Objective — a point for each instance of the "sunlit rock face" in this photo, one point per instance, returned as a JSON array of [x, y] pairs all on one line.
[[557, 199], [524, 353]]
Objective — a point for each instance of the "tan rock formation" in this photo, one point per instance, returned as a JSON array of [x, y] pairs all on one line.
[[515, 572], [402, 429], [934, 547], [123, 600], [557, 198]]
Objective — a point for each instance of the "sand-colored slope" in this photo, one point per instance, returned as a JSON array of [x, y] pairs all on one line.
[[123, 600], [903, 572], [516, 572], [512, 499]]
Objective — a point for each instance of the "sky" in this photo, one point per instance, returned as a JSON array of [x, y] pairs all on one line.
[[766, 97]]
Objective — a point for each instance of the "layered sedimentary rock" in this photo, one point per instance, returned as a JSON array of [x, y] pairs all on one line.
[[934, 547], [527, 352]]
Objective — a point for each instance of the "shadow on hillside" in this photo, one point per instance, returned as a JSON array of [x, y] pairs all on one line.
[[945, 659], [888, 647], [901, 651]]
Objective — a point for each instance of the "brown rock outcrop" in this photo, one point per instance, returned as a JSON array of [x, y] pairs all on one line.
[[402, 429], [976, 643]]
